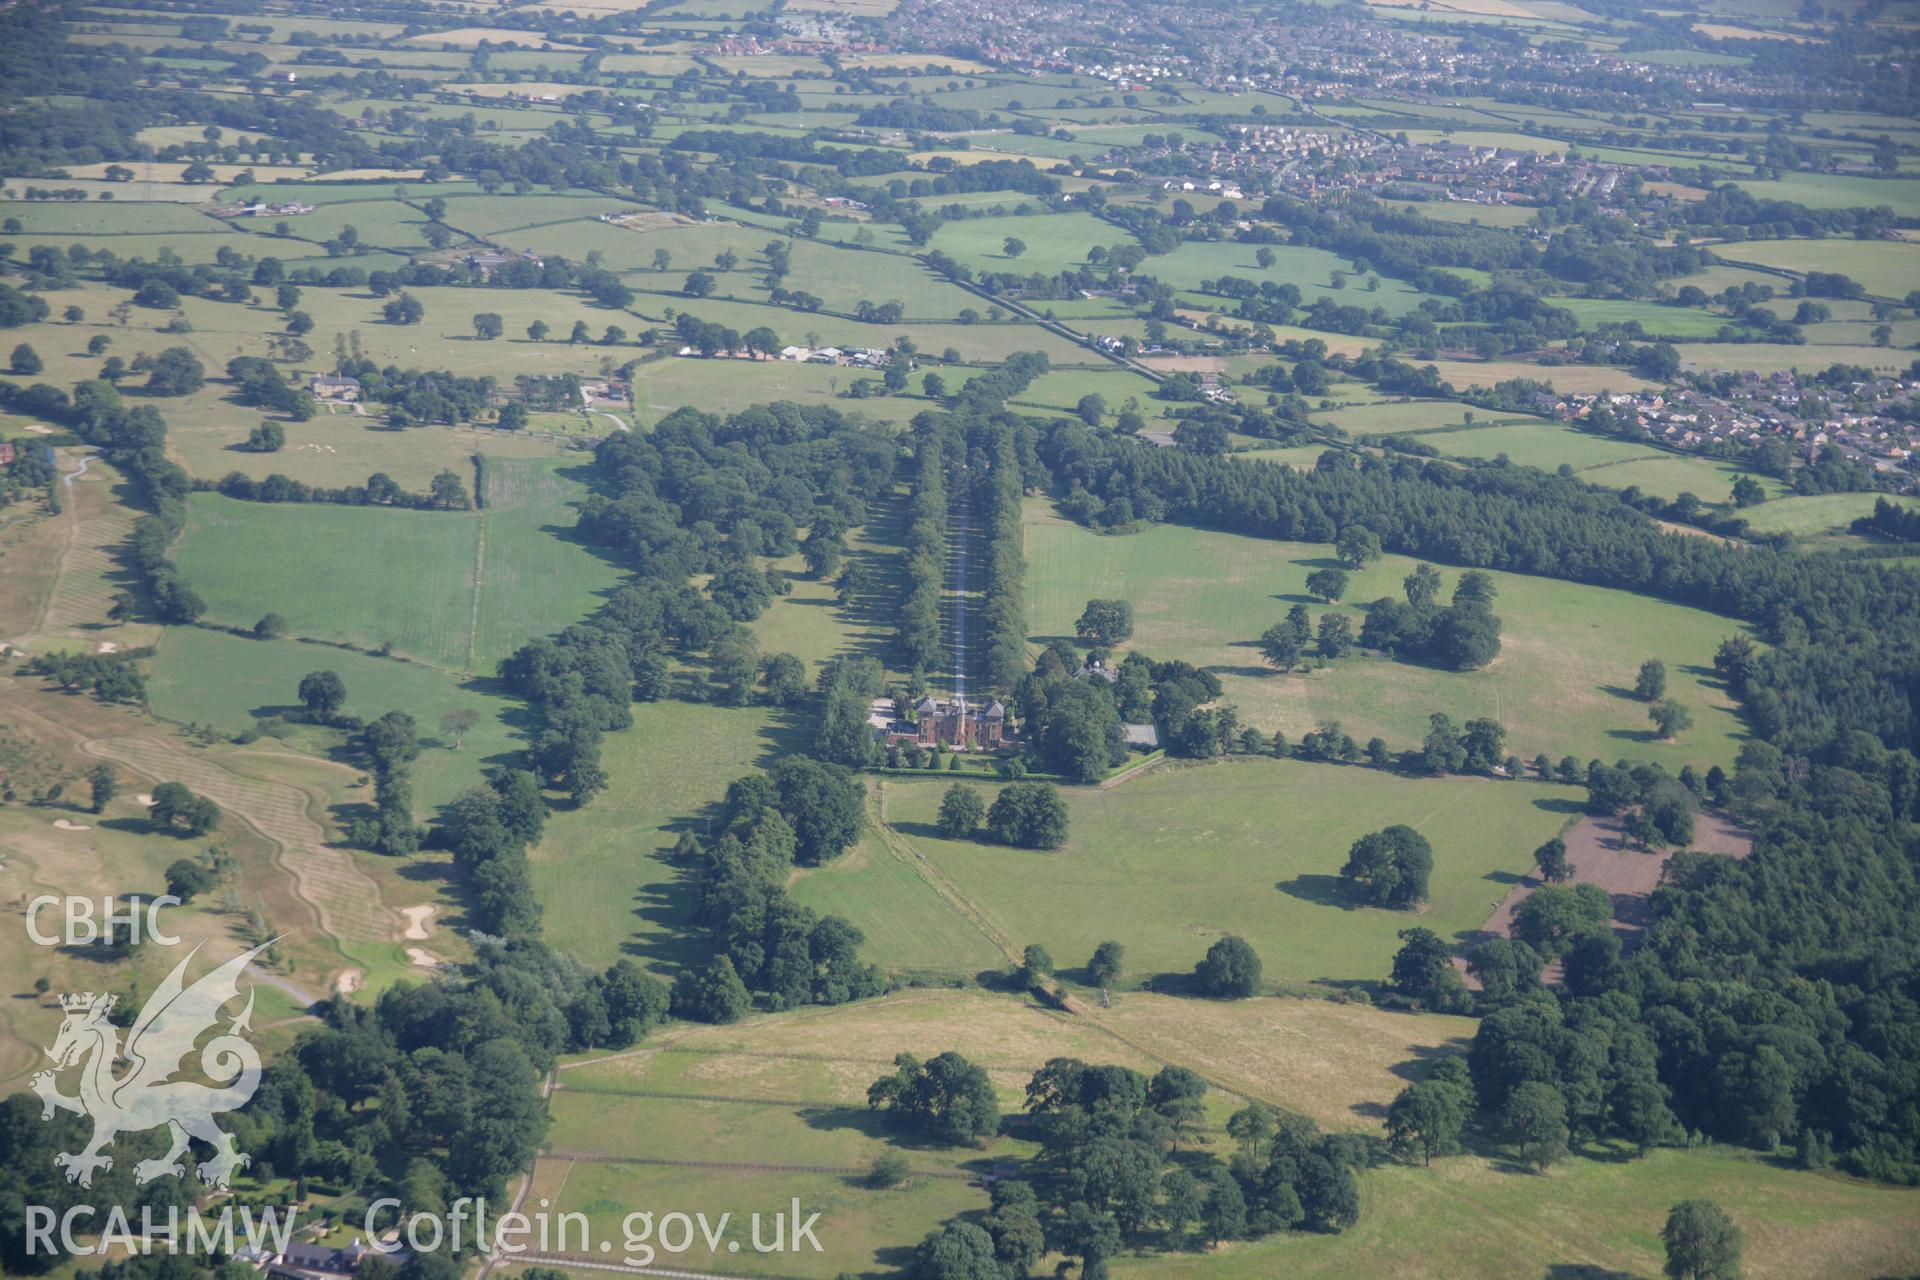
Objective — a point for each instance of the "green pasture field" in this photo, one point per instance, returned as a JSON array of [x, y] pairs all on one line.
[[1840, 191], [977, 343], [1888, 268], [602, 872], [200, 676], [491, 215], [111, 219], [195, 248], [846, 277], [1172, 860], [1777, 357], [1055, 241], [334, 448], [248, 558], [1658, 321], [1486, 215], [808, 1070], [1668, 475], [728, 386], [1586, 1217], [1560, 684], [538, 576], [1310, 270], [1060, 390], [384, 224], [862, 1232], [909, 927], [1814, 514], [384, 576], [1600, 460], [1567, 379], [1389, 416], [630, 249]]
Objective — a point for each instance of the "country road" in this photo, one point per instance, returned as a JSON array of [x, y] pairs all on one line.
[[962, 535]]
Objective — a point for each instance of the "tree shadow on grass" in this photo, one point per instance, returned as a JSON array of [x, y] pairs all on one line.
[[1634, 735], [1615, 691], [1559, 804], [1584, 1271], [786, 732], [1321, 890], [1420, 1065], [665, 908]]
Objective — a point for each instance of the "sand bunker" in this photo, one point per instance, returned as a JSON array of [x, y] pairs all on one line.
[[417, 918], [38, 430], [422, 959], [106, 646], [145, 799], [62, 824], [349, 982]]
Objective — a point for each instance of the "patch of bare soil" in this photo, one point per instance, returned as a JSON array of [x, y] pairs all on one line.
[[1601, 854]]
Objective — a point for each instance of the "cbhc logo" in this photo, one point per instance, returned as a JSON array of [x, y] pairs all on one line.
[[82, 926]]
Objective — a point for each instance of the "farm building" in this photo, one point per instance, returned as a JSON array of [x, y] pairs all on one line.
[[328, 387]]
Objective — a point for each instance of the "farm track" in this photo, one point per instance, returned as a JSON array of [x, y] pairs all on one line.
[[345, 900], [949, 892]]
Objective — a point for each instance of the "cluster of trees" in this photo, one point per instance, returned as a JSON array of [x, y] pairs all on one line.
[[447, 492], [1117, 1169], [489, 829], [1389, 868], [389, 744], [925, 561], [801, 812], [1891, 520], [177, 810], [698, 494], [1463, 635], [1026, 815], [110, 677], [944, 1099], [416, 397], [1284, 644], [997, 492]]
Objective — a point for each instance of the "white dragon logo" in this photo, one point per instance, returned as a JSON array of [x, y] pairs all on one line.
[[145, 1097]]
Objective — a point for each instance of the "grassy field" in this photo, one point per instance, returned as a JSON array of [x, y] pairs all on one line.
[[1777, 357], [537, 577], [477, 585], [1817, 514], [1310, 270], [1668, 475], [1599, 459], [1586, 1218], [602, 872], [247, 559], [211, 678], [1559, 685], [1658, 321], [788, 1089], [1567, 379], [1170, 861], [1054, 241], [1888, 268]]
